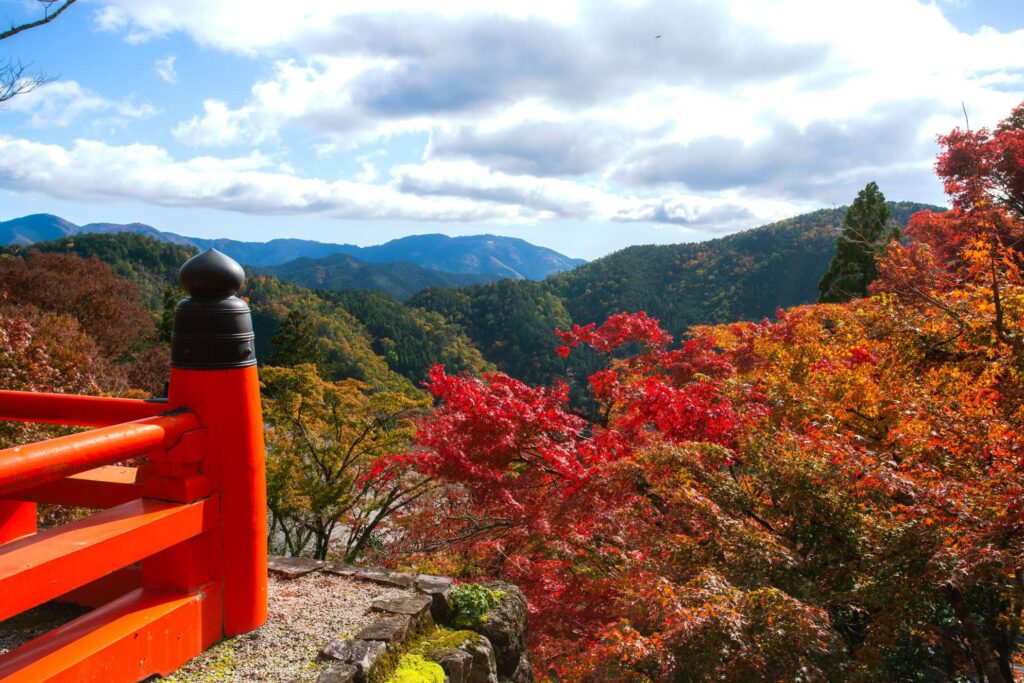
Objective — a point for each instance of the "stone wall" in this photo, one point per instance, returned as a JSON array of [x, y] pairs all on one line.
[[491, 649]]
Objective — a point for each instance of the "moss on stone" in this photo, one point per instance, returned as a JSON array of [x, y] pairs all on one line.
[[219, 665], [471, 603], [416, 669], [440, 639]]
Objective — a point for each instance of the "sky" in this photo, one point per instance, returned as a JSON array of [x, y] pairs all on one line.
[[582, 126]]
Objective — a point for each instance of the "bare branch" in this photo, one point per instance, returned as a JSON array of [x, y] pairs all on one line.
[[47, 18], [15, 81]]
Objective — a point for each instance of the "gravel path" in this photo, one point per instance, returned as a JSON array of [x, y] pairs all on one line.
[[305, 614], [22, 628]]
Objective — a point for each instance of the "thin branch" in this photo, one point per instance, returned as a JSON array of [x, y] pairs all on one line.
[[47, 18], [14, 81]]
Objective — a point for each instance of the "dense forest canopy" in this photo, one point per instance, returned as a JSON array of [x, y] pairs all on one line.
[[832, 495]]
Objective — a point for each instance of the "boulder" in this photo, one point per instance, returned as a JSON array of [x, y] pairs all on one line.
[[456, 663], [524, 670], [416, 607], [412, 605], [506, 627], [483, 668], [390, 630], [338, 673], [439, 588]]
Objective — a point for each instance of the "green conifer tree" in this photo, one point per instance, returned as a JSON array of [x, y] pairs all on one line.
[[867, 230], [296, 342]]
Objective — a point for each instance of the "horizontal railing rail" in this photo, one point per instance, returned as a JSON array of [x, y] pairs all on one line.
[[79, 411], [35, 569], [99, 488], [33, 464]]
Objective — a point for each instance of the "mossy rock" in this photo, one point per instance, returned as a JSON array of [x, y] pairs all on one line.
[[416, 669], [471, 603], [506, 627]]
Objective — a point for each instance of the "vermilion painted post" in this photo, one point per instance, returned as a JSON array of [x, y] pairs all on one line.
[[213, 373], [17, 519]]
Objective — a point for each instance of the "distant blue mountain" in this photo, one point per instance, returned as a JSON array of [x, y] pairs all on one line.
[[490, 255], [484, 254]]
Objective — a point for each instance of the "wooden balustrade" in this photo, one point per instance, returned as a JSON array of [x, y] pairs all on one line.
[[174, 558]]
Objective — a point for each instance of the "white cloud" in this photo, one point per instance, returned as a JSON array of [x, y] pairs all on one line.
[[742, 111], [93, 171], [250, 26], [576, 89], [98, 172], [164, 68], [61, 103], [368, 174], [315, 94], [554, 198]]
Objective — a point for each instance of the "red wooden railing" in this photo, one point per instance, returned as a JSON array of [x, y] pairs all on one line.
[[175, 557]]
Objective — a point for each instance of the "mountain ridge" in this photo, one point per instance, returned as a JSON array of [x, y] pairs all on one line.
[[339, 272], [486, 254]]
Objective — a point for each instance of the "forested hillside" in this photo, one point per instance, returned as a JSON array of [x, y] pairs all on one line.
[[508, 324], [744, 276], [151, 265], [363, 335], [399, 279], [497, 255]]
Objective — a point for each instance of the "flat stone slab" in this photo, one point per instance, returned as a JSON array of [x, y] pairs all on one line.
[[439, 589], [342, 569], [362, 654], [338, 673], [388, 629], [383, 577], [413, 605], [386, 578], [433, 584], [293, 567]]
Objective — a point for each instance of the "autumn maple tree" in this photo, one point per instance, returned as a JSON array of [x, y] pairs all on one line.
[[833, 495], [106, 308], [329, 485]]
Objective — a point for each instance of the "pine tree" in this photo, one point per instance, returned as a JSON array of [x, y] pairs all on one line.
[[867, 230], [296, 342]]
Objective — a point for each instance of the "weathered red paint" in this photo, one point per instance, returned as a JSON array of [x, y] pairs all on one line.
[[71, 409]]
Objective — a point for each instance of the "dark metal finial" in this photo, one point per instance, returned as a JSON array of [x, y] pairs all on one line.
[[212, 327], [211, 274]]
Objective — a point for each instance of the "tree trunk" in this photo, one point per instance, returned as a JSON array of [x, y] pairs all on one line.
[[979, 645]]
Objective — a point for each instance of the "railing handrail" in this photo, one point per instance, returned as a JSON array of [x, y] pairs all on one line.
[[73, 409], [23, 467]]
